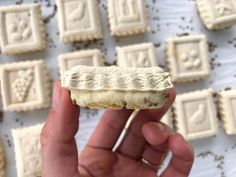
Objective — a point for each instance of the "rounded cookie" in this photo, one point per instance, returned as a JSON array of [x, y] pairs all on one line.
[[118, 87]]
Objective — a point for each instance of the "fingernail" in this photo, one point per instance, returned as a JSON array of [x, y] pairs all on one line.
[[56, 95]]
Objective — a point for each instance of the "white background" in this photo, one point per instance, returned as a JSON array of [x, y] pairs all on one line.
[[168, 18]]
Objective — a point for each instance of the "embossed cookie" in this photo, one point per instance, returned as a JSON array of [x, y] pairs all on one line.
[[140, 55], [25, 86], [27, 151], [227, 106], [21, 29], [86, 57], [195, 115], [117, 88], [2, 161], [127, 17], [79, 20], [188, 58], [217, 14]]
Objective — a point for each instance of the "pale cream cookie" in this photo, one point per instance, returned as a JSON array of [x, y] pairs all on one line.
[[227, 105], [195, 115], [188, 58], [25, 86], [217, 14], [79, 20], [27, 151], [86, 57], [139, 55], [21, 29], [2, 161], [117, 88], [127, 17]]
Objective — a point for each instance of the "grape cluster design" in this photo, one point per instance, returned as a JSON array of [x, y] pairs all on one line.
[[22, 85]]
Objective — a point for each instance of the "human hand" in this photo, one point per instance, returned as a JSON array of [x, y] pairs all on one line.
[[146, 139]]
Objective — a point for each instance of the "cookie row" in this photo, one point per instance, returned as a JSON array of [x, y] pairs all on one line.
[[187, 57], [22, 29]]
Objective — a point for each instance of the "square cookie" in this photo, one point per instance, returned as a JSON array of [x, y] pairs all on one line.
[[27, 151], [217, 14], [188, 58], [140, 55], [79, 20], [25, 86], [167, 119], [195, 115], [227, 106], [21, 29], [86, 57], [127, 17]]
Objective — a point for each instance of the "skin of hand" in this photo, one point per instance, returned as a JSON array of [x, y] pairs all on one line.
[[146, 138]]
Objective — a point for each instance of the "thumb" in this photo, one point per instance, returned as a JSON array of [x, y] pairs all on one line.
[[59, 150]]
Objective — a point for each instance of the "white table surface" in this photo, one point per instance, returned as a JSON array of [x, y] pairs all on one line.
[[214, 156]]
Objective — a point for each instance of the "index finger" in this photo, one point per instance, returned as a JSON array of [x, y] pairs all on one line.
[[63, 117], [59, 151]]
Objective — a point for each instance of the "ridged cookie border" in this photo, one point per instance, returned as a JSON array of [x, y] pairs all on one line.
[[42, 77], [128, 30], [38, 27], [76, 36], [116, 78], [226, 111], [171, 64], [179, 117]]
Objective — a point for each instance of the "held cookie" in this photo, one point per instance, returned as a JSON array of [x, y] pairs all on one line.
[[21, 29], [217, 14], [117, 88], [2, 161]]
